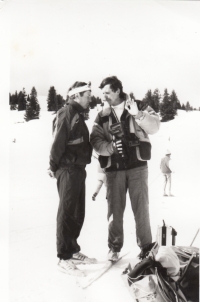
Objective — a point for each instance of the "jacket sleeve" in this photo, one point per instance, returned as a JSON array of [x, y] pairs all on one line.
[[98, 140], [61, 136], [150, 123]]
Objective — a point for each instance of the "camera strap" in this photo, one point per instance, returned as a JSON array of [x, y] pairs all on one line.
[[115, 115]]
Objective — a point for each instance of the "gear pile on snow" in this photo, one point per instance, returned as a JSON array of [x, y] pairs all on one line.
[[166, 274]]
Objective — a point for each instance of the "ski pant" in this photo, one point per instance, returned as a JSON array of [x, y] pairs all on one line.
[[71, 210], [136, 182]]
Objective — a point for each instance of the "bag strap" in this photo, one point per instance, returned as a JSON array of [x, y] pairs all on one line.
[[163, 284], [115, 115], [186, 269]]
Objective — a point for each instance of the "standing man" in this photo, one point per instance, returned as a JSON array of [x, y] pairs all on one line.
[[120, 137], [166, 171], [70, 153]]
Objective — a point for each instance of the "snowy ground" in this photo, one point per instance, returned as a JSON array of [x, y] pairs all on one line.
[[33, 207]]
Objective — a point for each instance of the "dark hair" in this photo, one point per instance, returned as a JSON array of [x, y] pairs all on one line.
[[75, 85], [115, 84]]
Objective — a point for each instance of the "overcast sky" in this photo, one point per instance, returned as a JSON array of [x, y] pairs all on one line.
[[146, 44]]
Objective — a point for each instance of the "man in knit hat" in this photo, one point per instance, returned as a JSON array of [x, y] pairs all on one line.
[[166, 171]]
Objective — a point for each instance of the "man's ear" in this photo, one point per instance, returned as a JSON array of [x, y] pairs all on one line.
[[77, 97]]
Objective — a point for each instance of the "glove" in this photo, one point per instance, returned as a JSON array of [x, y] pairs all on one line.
[[118, 146]]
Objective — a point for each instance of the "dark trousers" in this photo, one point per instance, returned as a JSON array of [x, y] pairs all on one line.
[[71, 210]]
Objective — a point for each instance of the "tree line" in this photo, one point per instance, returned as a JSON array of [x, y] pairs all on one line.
[[166, 105], [21, 101]]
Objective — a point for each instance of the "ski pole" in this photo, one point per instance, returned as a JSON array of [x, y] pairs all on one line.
[[194, 237], [155, 178]]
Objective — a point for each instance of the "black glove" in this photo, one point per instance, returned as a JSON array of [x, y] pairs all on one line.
[[119, 147]]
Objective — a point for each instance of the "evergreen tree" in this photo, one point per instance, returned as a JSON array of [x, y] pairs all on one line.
[[99, 101], [148, 99], [183, 107], [156, 100], [60, 101], [167, 111], [12, 101], [22, 100], [175, 101], [52, 103], [29, 112], [187, 107], [15, 97], [13, 105], [32, 106], [93, 102]]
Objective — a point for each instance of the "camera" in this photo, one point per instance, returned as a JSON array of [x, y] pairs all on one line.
[[129, 140], [117, 130]]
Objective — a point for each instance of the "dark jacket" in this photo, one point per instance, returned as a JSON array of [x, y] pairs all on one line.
[[71, 138], [101, 139]]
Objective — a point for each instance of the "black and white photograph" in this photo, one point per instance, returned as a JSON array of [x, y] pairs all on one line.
[[100, 175]]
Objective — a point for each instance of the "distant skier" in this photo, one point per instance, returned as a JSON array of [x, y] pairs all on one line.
[[166, 171]]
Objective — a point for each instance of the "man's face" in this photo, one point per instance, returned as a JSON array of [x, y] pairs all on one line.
[[110, 96], [85, 99]]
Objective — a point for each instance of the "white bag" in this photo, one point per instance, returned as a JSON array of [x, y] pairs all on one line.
[[146, 290], [168, 258]]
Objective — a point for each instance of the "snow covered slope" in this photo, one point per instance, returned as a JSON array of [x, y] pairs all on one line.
[[34, 200]]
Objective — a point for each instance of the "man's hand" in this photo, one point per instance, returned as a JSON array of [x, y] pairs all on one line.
[[94, 196], [131, 106], [51, 174]]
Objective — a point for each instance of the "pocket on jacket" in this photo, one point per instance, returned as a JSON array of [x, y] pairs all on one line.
[[103, 160], [143, 151]]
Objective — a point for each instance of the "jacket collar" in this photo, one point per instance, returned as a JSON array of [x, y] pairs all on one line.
[[76, 106], [107, 112]]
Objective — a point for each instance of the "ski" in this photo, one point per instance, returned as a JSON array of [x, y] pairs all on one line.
[[88, 280]]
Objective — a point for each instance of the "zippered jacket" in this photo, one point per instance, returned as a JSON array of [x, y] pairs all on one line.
[[102, 140], [71, 144]]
